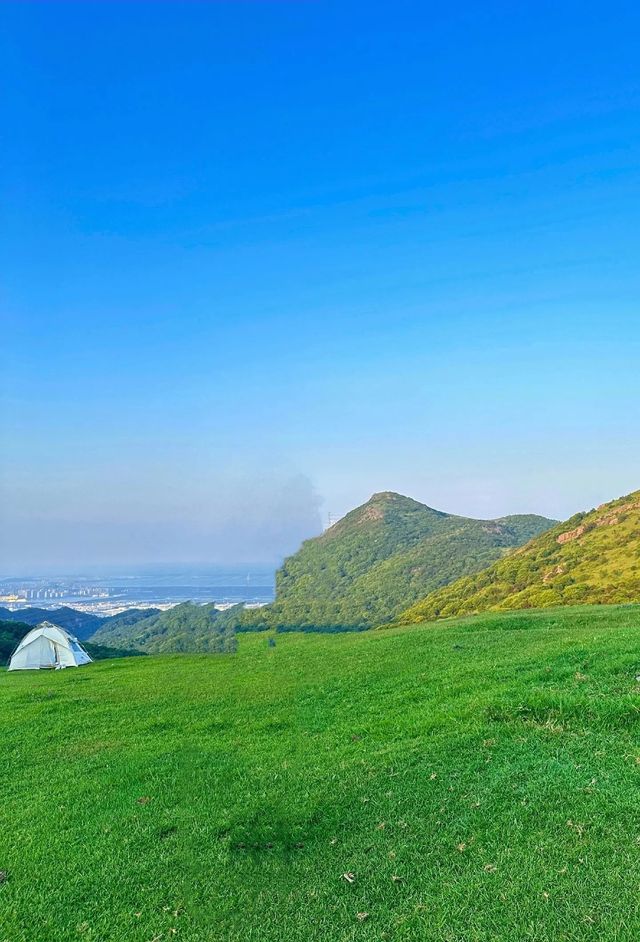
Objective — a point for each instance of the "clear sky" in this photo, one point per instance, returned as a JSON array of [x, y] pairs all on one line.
[[262, 259]]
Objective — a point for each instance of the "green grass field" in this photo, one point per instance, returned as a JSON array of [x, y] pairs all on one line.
[[479, 779]]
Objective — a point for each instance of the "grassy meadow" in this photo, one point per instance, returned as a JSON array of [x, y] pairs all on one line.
[[466, 781]]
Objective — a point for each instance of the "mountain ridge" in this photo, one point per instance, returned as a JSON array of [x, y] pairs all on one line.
[[81, 624], [363, 569]]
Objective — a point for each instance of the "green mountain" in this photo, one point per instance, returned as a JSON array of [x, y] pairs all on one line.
[[593, 558], [392, 550], [186, 627]]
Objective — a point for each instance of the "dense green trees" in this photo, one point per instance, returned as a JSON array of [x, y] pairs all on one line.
[[187, 627]]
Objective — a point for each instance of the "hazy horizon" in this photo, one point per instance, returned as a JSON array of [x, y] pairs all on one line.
[[143, 571], [288, 255], [237, 529]]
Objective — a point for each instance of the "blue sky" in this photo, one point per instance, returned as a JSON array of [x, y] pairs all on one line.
[[261, 259]]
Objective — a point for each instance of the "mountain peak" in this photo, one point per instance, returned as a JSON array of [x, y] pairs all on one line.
[[390, 550], [386, 506], [392, 497]]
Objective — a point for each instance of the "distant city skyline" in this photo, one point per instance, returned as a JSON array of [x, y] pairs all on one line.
[[286, 255]]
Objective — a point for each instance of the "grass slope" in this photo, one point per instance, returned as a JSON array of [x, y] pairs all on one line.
[[480, 780], [592, 558], [379, 558]]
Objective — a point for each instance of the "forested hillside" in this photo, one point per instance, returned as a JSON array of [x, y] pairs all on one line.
[[186, 627]]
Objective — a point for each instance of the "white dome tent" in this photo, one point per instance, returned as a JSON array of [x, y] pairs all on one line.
[[48, 645]]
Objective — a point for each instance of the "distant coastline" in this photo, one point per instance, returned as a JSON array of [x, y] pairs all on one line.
[[161, 587]]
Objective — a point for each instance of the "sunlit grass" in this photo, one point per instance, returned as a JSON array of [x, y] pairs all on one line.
[[478, 780]]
